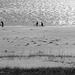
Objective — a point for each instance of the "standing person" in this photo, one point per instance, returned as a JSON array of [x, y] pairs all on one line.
[[2, 23], [36, 23], [42, 24]]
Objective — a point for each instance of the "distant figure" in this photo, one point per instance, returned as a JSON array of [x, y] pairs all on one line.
[[42, 24], [39, 24], [36, 23], [2, 24]]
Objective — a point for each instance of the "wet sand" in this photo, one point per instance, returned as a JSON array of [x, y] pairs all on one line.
[[37, 47]]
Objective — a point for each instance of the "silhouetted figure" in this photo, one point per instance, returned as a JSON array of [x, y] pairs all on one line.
[[42, 24], [36, 23], [2, 24]]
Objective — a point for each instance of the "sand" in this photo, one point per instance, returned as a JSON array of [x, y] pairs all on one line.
[[37, 46]]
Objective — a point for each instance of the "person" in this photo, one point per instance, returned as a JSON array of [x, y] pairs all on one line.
[[2, 24], [36, 23], [42, 24]]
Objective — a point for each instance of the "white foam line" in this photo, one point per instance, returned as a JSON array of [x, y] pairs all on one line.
[[13, 26], [42, 27]]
